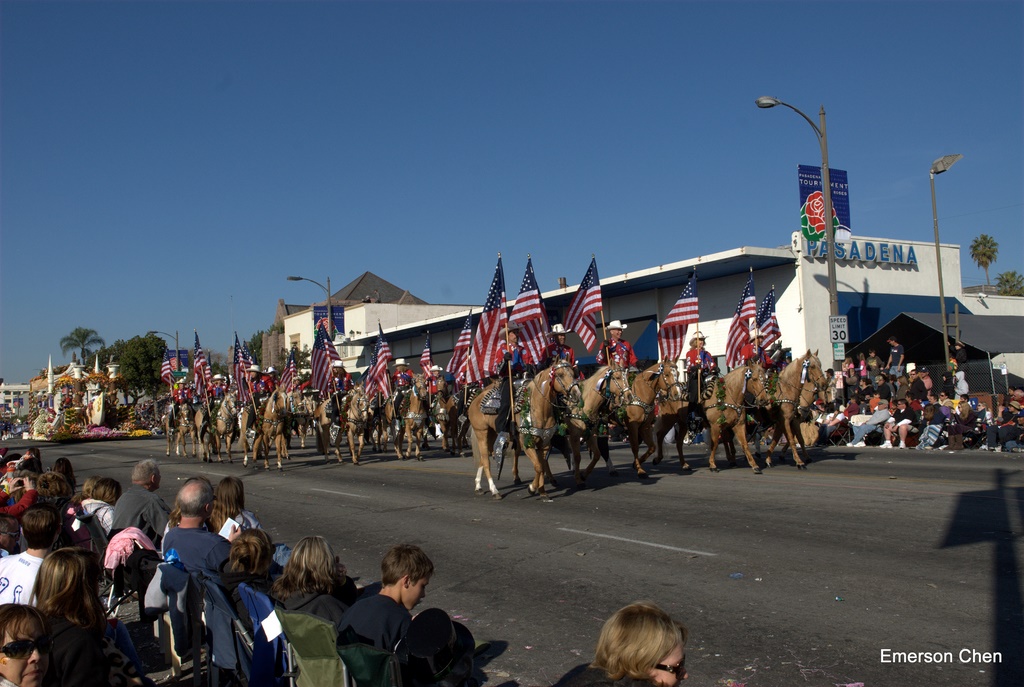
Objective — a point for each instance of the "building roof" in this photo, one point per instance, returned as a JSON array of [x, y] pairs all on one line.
[[369, 288]]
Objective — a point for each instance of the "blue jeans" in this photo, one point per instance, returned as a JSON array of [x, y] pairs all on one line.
[[118, 634], [862, 431]]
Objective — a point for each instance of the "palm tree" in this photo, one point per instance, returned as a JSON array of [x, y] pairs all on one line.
[[1010, 283], [83, 340], [984, 251]]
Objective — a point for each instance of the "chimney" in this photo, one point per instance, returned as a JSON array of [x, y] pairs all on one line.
[[561, 282]]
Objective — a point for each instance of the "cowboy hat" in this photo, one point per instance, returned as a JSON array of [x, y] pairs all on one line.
[[697, 335], [439, 648], [615, 324], [512, 326], [271, 370], [218, 377], [337, 363], [559, 329], [755, 333], [400, 362], [254, 368], [1015, 405], [436, 368]]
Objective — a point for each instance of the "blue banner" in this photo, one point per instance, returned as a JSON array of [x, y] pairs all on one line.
[[337, 312], [812, 203]]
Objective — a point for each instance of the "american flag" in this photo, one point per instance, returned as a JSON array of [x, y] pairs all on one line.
[[290, 374], [530, 314], [460, 355], [169, 364], [241, 365], [321, 358], [585, 303], [201, 366], [739, 330], [426, 359], [488, 331], [377, 378], [680, 317], [767, 322]]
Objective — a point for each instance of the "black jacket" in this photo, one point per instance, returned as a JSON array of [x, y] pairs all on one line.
[[585, 676], [77, 658]]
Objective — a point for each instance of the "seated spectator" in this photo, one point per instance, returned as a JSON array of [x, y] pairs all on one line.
[[885, 389], [62, 466], [315, 581], [40, 526], [31, 462], [382, 620], [1001, 433], [54, 488], [934, 422], [104, 495], [249, 561], [897, 429], [67, 593], [873, 424], [23, 495], [10, 536], [229, 503], [962, 420], [25, 645], [640, 644], [199, 550], [140, 506], [843, 416]]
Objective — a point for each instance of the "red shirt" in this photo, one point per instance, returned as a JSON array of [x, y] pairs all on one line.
[[620, 351]]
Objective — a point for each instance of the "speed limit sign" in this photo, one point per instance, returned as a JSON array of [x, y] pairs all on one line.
[[837, 330]]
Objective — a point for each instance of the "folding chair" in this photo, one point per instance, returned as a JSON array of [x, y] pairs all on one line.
[[368, 666], [269, 656], [112, 584], [179, 630], [312, 649], [231, 646]]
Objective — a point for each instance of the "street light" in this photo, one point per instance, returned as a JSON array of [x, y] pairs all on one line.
[[765, 102], [330, 313], [938, 167], [157, 331]]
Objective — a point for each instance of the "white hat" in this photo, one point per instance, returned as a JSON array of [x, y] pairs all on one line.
[[615, 324], [254, 368], [436, 368], [218, 376], [755, 333], [337, 363], [271, 370], [513, 326], [400, 362], [559, 329]]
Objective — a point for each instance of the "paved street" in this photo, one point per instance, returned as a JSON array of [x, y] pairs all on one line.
[[786, 578]]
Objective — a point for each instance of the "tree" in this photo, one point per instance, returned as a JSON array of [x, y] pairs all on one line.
[[83, 340], [256, 346], [984, 251], [1010, 283], [140, 361]]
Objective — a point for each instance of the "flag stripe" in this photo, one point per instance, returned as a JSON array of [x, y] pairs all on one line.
[[585, 303], [489, 329], [739, 329], [672, 334], [529, 313]]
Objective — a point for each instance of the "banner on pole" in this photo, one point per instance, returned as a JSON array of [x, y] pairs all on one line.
[[320, 316], [812, 201]]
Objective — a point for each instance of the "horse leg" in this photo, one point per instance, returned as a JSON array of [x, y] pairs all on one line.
[[741, 433], [536, 487], [515, 465], [799, 436], [282, 448], [714, 432], [595, 455]]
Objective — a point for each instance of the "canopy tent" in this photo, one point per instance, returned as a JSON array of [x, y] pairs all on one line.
[[921, 336]]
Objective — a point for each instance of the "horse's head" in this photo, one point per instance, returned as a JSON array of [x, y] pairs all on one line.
[[666, 381], [756, 381], [419, 386], [563, 381], [616, 388]]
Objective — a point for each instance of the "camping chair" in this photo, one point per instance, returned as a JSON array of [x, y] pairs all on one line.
[[112, 584], [269, 655], [368, 666], [179, 629], [231, 645], [312, 649]]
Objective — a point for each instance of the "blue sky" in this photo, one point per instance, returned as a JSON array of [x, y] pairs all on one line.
[[165, 165]]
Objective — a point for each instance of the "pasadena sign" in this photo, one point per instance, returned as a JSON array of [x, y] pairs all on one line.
[[865, 251]]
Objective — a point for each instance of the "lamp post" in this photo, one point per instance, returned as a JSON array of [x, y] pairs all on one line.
[[330, 312], [157, 331], [938, 167]]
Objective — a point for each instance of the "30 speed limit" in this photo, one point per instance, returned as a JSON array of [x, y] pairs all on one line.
[[837, 330]]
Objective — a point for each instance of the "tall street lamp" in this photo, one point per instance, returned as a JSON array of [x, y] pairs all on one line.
[[766, 102], [157, 331], [938, 167], [330, 312]]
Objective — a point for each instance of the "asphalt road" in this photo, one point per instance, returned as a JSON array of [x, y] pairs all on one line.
[[786, 578]]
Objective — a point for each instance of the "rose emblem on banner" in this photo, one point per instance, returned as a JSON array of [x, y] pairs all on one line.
[[812, 217]]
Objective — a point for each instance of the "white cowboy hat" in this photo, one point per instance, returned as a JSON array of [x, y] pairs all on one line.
[[615, 324], [755, 333], [697, 335], [254, 368], [400, 362], [271, 370], [513, 327], [436, 368], [559, 329], [337, 363], [218, 377]]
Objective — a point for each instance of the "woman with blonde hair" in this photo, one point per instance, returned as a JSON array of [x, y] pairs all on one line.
[[315, 581], [99, 499], [639, 646], [229, 503], [252, 554], [26, 644]]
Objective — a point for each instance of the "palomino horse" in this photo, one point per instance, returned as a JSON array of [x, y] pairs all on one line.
[[377, 423], [649, 387], [357, 414], [796, 388], [443, 411], [726, 409], [550, 390], [602, 394], [413, 416], [226, 425], [329, 424], [204, 430], [673, 411], [179, 422], [274, 428], [303, 409]]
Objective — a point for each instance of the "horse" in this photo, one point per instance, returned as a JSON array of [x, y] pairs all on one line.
[[304, 407], [329, 424], [726, 409], [179, 423], [413, 418], [656, 382], [796, 386], [204, 430], [377, 423], [357, 414], [226, 425], [673, 411], [550, 390], [603, 393], [275, 427], [443, 411]]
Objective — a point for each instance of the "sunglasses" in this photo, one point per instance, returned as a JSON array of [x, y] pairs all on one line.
[[678, 670], [23, 648]]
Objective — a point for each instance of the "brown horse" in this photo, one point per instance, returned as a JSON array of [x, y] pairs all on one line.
[[443, 411], [275, 428], [328, 433], [226, 425], [649, 387], [204, 430], [601, 395], [179, 423], [796, 388], [726, 409], [357, 414], [413, 416], [303, 409], [673, 411]]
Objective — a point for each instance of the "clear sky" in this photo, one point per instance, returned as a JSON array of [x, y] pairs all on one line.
[[165, 165]]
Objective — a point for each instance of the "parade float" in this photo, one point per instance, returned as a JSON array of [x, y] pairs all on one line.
[[70, 404]]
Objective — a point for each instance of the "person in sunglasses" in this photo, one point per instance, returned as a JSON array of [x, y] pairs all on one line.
[[25, 650], [639, 646]]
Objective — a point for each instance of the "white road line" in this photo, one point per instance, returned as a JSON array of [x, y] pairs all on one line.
[[341, 493], [637, 541]]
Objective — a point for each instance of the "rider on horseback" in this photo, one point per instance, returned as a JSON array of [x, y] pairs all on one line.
[[401, 382], [700, 368], [558, 349], [511, 353], [342, 382]]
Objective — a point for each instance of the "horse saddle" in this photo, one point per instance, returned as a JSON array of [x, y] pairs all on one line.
[[491, 401]]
